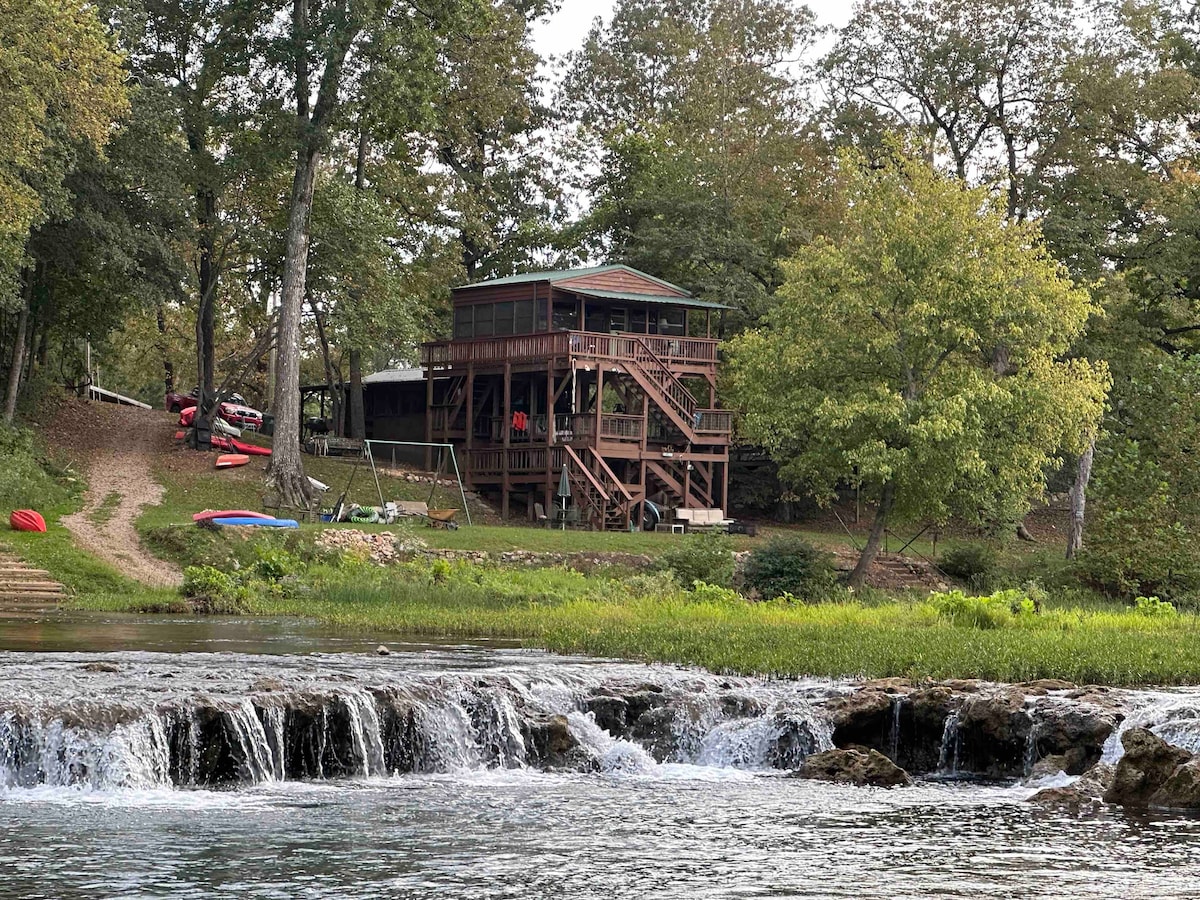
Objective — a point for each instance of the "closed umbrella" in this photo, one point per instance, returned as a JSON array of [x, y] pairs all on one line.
[[564, 494]]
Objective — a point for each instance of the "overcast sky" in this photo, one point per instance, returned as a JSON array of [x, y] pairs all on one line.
[[566, 29]]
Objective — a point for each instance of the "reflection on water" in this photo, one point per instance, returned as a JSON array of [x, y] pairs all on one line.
[[65, 630]]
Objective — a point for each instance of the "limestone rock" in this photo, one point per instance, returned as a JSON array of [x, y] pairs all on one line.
[[1182, 789], [858, 767], [1076, 732], [551, 744], [1144, 771]]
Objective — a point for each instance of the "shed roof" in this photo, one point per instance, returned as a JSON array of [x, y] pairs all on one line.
[[555, 275]]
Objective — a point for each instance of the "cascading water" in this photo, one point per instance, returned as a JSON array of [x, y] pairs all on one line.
[[951, 746], [191, 721]]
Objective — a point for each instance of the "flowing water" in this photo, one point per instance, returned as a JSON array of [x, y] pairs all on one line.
[[472, 772]]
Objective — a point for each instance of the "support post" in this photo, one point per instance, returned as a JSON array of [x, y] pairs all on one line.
[[429, 416], [506, 432]]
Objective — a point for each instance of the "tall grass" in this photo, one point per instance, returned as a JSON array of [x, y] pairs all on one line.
[[567, 612]]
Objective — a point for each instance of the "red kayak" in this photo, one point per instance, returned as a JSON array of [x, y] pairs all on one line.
[[233, 446], [26, 520], [231, 460], [210, 514]]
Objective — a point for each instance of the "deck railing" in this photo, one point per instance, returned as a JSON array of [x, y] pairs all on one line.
[[527, 347]]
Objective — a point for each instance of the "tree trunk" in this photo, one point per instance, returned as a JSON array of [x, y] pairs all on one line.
[[286, 475], [206, 210], [1083, 474], [358, 417], [333, 375], [168, 366], [18, 354], [887, 500]]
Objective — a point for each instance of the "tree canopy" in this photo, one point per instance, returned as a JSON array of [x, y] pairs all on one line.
[[920, 351]]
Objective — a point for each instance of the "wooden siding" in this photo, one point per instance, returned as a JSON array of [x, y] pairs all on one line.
[[500, 293], [619, 280]]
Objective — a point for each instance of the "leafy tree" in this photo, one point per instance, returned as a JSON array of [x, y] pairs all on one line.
[[1146, 493], [61, 89], [918, 352], [708, 174]]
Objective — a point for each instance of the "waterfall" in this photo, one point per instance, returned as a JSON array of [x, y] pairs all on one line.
[[1173, 716], [951, 746], [894, 733], [216, 725]]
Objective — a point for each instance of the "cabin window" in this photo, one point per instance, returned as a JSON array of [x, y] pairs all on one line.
[[484, 319], [618, 321], [637, 321], [541, 315], [566, 316], [523, 323], [670, 321], [504, 317], [596, 318], [464, 322]]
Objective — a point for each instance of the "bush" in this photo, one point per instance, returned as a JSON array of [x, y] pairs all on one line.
[[992, 611], [976, 564], [711, 593], [28, 478], [790, 565], [1153, 607], [701, 557], [214, 591]]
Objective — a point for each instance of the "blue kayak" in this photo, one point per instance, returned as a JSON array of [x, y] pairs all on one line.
[[265, 523]]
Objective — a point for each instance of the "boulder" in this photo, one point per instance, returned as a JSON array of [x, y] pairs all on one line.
[[1144, 771], [993, 731], [865, 767], [550, 744], [1084, 795], [1182, 789], [1075, 732], [863, 718], [611, 713]]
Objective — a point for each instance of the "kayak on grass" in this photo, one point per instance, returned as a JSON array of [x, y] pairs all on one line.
[[209, 514], [263, 523], [231, 460]]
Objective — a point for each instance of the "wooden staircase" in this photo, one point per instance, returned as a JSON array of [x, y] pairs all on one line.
[[25, 589]]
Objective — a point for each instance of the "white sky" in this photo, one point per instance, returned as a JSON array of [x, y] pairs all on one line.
[[566, 29]]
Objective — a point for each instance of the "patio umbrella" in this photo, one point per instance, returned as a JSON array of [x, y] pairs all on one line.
[[564, 493]]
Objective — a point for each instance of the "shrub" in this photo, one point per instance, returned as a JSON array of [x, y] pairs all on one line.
[[701, 557], [711, 593], [214, 591], [788, 565], [976, 564], [1152, 606], [991, 611], [27, 477]]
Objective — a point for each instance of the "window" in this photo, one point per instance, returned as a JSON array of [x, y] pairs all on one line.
[[596, 318], [464, 322], [637, 320], [484, 319], [504, 317], [618, 321], [670, 321], [523, 321], [541, 314], [566, 317]]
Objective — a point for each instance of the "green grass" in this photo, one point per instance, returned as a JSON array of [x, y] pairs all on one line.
[[568, 612], [106, 509], [78, 571]]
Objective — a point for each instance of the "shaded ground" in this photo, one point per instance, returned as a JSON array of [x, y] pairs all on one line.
[[116, 447]]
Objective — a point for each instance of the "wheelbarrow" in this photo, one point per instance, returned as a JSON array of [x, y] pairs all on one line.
[[442, 518]]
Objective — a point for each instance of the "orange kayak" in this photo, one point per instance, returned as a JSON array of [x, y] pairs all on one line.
[[232, 460]]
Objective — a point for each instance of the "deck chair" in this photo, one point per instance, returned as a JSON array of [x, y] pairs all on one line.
[[539, 513]]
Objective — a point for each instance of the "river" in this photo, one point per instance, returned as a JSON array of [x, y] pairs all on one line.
[[236, 758]]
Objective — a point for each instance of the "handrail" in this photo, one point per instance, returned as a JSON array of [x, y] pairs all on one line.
[[587, 473], [611, 476], [685, 401], [547, 345]]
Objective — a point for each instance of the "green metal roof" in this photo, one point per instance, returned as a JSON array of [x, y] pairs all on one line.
[[564, 274], [689, 302]]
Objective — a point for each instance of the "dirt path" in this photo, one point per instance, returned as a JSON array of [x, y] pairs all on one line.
[[121, 445]]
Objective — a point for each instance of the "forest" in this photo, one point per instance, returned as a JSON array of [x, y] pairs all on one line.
[[959, 239]]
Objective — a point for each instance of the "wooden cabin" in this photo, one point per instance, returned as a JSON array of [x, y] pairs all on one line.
[[606, 371]]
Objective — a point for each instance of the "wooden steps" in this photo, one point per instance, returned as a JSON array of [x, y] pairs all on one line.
[[24, 588]]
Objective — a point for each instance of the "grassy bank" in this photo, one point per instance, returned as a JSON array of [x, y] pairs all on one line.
[[649, 617]]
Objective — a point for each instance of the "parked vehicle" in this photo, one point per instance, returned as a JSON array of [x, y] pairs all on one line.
[[177, 402], [239, 414]]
